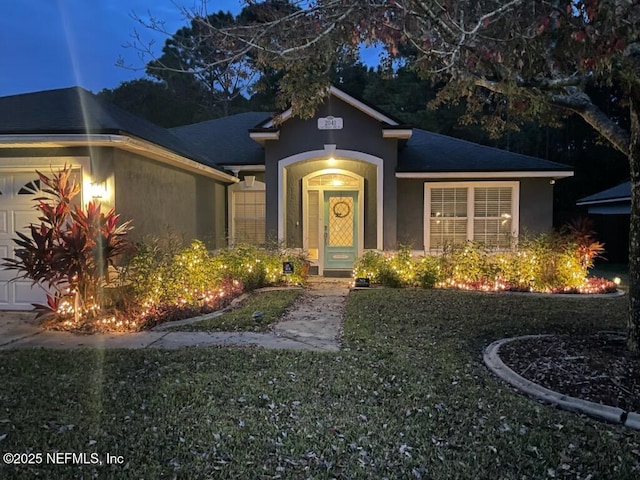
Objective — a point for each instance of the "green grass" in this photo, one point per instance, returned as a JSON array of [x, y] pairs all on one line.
[[272, 303], [408, 397]]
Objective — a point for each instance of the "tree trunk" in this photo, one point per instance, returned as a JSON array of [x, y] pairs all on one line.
[[633, 322]]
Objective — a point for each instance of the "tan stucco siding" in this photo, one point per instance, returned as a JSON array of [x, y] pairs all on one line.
[[162, 199]]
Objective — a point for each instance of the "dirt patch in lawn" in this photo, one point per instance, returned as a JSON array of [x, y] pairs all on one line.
[[595, 368]]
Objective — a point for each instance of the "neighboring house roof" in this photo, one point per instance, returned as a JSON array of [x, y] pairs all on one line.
[[619, 193], [432, 152], [76, 111], [227, 137]]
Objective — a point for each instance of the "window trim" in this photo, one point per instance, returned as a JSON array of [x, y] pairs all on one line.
[[240, 187], [471, 186]]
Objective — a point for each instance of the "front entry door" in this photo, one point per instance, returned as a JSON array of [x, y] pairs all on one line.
[[340, 229]]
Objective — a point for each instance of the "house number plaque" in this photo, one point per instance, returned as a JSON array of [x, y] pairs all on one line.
[[330, 123]]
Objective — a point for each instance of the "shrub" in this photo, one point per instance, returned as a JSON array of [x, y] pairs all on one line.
[[70, 251], [396, 269], [428, 271]]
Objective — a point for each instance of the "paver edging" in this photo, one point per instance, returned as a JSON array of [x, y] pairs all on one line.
[[602, 412]]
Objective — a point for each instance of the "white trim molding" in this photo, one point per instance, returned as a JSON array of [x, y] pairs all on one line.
[[338, 154], [329, 188], [345, 97], [470, 186], [474, 175], [399, 133], [125, 142]]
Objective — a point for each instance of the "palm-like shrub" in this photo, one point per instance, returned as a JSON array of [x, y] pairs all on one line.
[[68, 253]]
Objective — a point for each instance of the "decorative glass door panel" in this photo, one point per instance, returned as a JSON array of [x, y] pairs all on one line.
[[340, 229]]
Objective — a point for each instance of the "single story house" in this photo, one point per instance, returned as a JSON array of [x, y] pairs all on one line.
[[610, 211], [351, 178]]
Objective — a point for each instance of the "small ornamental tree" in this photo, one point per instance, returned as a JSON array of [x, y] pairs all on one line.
[[70, 251]]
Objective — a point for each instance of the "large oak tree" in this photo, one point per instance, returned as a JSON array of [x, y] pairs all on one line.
[[527, 58]]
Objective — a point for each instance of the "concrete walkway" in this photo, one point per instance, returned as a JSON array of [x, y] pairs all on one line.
[[313, 323]]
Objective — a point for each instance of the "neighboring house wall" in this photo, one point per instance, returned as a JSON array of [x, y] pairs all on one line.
[[360, 133], [535, 212], [162, 199]]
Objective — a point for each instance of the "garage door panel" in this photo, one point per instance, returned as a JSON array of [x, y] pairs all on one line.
[[17, 212], [4, 223], [4, 294], [25, 294]]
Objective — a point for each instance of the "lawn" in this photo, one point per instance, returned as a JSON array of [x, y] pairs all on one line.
[[271, 303], [408, 397]]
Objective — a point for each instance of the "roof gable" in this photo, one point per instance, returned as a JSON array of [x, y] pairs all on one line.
[[366, 108]]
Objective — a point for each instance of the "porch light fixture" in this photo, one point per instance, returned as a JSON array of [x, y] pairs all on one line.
[[330, 150], [98, 190]]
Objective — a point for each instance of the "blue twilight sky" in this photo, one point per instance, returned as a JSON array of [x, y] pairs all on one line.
[[48, 44]]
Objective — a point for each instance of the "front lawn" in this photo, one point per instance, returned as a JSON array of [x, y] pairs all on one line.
[[272, 304], [408, 397]]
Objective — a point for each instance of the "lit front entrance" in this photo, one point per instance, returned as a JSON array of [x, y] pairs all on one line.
[[333, 218], [340, 229]]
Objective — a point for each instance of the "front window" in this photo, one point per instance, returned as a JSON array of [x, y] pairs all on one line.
[[247, 213], [484, 212]]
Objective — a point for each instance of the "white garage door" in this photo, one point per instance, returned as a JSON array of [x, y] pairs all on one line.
[[17, 191]]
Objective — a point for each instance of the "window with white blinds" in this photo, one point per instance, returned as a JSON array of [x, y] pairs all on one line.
[[247, 212], [484, 212]]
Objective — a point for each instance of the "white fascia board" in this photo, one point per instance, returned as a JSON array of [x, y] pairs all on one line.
[[400, 133], [244, 168], [345, 97], [608, 200], [372, 112], [262, 137], [523, 174], [124, 142]]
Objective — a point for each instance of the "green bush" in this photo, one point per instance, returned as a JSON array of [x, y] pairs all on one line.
[[546, 263], [394, 270], [428, 271]]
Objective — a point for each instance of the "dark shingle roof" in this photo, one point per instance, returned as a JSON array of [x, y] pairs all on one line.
[[228, 138], [432, 152], [619, 193], [75, 110]]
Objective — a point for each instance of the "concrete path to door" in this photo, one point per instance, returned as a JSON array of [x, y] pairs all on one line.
[[313, 323]]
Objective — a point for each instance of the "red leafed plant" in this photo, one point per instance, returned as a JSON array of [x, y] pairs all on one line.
[[69, 252]]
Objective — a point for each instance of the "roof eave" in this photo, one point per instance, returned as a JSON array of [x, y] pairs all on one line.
[[551, 174], [122, 141]]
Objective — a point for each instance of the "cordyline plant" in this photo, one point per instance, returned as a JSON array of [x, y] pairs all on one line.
[[70, 251]]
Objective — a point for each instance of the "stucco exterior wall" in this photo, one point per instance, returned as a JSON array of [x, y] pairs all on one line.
[[295, 218], [162, 199], [536, 208], [360, 133]]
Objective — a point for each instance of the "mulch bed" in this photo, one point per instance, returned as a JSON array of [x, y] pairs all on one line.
[[595, 368]]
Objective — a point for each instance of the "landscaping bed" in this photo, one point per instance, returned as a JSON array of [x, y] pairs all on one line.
[[595, 368]]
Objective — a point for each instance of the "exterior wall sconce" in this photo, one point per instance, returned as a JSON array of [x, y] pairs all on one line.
[[98, 190], [330, 151]]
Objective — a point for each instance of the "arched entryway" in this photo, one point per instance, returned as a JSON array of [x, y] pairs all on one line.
[[330, 205]]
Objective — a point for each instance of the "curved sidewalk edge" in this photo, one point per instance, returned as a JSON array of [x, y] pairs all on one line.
[[601, 412]]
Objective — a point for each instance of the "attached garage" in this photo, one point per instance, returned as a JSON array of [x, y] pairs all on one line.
[[17, 191]]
